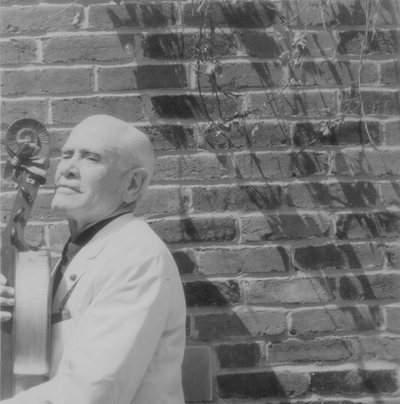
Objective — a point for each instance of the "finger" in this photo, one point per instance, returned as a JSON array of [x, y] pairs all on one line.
[[6, 301], [5, 316], [6, 291], [3, 279]]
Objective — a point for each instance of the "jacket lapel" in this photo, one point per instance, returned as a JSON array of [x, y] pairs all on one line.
[[79, 264]]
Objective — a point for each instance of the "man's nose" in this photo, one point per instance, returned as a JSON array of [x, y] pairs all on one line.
[[69, 168]]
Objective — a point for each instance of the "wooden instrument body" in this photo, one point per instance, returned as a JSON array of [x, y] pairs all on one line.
[[24, 340]]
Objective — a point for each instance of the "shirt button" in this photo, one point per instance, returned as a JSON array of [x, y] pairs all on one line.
[[73, 277]]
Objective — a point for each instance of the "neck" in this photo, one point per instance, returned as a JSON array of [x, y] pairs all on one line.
[[76, 227]]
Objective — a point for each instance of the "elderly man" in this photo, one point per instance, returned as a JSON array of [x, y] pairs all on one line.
[[118, 312]]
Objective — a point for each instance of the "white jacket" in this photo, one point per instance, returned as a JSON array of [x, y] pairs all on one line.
[[124, 342]]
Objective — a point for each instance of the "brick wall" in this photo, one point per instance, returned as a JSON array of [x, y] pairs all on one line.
[[286, 235]]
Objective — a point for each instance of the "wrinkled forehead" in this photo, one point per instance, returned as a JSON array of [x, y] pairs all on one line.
[[95, 134]]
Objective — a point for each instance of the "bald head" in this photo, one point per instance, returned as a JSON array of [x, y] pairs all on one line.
[[133, 145]]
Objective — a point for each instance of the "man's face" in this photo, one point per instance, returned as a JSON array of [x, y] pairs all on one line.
[[89, 179]]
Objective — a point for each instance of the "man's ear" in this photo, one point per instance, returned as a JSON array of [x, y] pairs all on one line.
[[135, 184]]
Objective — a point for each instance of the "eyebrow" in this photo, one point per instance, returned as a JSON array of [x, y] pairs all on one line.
[[83, 152]]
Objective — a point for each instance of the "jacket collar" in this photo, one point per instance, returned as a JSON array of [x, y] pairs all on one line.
[[79, 264]]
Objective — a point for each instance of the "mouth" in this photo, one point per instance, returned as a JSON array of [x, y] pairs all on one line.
[[66, 187]]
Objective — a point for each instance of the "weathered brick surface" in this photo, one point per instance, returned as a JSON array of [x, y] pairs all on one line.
[[262, 384], [316, 350], [225, 261], [95, 48], [170, 137], [284, 226], [15, 20], [142, 77], [276, 185], [142, 15], [393, 319], [231, 198], [379, 348], [348, 256], [14, 109], [371, 225], [347, 133], [192, 167], [73, 110], [214, 293], [195, 229], [315, 320], [365, 287], [354, 382], [272, 291], [45, 81], [239, 355], [373, 163], [230, 326], [18, 51]]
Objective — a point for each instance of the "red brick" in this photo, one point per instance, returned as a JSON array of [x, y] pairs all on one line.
[[262, 384], [345, 133], [142, 15], [379, 348], [365, 287], [192, 107], [58, 137], [247, 75], [269, 134], [51, 173], [330, 256], [237, 197], [339, 73], [171, 137], [14, 109], [239, 355], [289, 103], [367, 225], [222, 326], [373, 163], [18, 51], [391, 193], [379, 42], [375, 102], [327, 319], [74, 110], [231, 261], [89, 48], [277, 291], [227, 14], [353, 382], [390, 72], [263, 45], [54, 81], [392, 130], [162, 201], [185, 261], [284, 226], [195, 229], [315, 350], [34, 235], [337, 195], [393, 318], [202, 166], [38, 18], [212, 293], [142, 77], [264, 165], [59, 234], [182, 46], [393, 254]]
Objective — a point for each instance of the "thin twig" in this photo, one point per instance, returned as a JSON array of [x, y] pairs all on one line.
[[64, 9]]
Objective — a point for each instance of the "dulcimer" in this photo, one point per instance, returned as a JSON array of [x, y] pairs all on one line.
[[25, 339]]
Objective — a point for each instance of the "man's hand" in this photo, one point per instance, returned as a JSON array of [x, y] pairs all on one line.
[[6, 298]]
